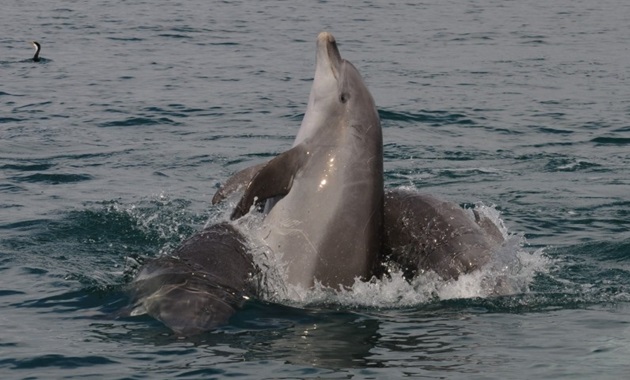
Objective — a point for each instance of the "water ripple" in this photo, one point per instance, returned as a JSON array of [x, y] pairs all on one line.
[[53, 179], [138, 122], [434, 118], [57, 360], [611, 141]]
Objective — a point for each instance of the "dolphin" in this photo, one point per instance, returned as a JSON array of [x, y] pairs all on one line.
[[426, 233], [199, 286], [327, 224]]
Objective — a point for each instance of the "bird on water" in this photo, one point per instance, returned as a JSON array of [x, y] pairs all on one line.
[[38, 48]]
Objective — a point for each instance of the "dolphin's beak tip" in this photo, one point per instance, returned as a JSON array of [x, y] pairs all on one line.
[[326, 37]]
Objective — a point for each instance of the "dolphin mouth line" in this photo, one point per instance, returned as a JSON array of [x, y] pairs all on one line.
[[332, 53], [333, 66]]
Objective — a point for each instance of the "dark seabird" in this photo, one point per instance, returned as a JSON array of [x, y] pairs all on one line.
[[38, 48]]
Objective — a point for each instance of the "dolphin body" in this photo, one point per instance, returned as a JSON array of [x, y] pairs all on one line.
[[197, 287], [425, 233], [327, 224]]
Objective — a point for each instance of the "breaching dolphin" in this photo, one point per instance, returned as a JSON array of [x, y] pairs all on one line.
[[327, 226]]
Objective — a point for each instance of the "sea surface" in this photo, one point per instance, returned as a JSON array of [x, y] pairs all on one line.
[[112, 146]]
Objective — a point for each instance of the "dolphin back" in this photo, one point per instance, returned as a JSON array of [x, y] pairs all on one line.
[[423, 232], [200, 286]]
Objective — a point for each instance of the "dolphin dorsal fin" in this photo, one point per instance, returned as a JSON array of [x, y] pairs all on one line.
[[274, 179]]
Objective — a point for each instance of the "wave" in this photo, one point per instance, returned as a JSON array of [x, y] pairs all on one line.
[[604, 140], [434, 118], [54, 179], [138, 121]]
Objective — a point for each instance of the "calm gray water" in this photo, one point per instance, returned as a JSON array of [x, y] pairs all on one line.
[[112, 146]]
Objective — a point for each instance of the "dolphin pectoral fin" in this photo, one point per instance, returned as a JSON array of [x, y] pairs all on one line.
[[235, 182], [274, 179]]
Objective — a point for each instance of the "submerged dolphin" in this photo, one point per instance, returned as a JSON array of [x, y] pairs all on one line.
[[199, 286], [425, 233], [327, 226]]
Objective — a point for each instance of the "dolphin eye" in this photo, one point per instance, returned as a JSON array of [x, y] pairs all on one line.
[[343, 97]]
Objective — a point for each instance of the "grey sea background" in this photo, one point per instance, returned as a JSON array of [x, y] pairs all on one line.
[[112, 147]]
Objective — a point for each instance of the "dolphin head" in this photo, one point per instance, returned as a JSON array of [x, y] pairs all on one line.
[[337, 88], [327, 69]]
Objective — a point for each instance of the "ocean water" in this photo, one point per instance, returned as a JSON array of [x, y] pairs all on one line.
[[112, 147]]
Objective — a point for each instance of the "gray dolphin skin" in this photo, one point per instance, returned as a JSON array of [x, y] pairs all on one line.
[[327, 225], [423, 233], [199, 286]]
